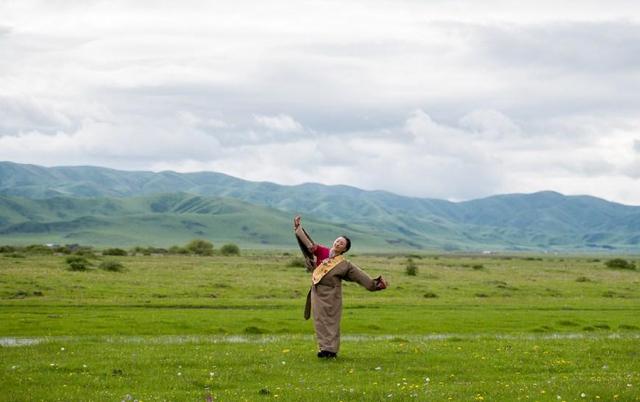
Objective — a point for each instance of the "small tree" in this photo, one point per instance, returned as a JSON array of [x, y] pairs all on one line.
[[230, 249], [411, 268], [200, 247]]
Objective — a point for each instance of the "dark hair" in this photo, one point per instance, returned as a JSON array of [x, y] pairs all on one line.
[[348, 243]]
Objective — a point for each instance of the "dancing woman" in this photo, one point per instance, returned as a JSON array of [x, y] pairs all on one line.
[[329, 268]]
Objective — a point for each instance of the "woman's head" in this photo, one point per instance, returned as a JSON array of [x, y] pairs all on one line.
[[342, 244]]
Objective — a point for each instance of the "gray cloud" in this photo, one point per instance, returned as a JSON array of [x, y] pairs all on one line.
[[31, 114], [602, 47], [423, 98]]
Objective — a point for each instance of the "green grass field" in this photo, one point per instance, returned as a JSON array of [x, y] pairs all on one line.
[[180, 328]]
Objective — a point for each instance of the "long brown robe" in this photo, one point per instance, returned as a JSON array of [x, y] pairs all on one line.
[[325, 297], [326, 302]]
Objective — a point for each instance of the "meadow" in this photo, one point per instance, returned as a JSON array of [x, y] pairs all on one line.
[[230, 328]]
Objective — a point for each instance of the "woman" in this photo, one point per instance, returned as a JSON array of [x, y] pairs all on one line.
[[329, 268]]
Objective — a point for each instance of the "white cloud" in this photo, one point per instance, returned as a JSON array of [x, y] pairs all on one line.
[[490, 123], [193, 120], [281, 122], [440, 99]]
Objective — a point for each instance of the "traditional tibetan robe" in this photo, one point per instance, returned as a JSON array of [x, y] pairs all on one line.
[[324, 299]]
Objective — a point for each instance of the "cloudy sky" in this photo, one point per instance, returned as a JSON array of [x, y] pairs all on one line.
[[446, 99]]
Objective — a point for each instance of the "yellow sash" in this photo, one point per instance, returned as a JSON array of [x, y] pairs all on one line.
[[326, 266]]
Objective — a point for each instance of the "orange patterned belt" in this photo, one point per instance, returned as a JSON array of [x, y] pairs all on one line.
[[326, 266]]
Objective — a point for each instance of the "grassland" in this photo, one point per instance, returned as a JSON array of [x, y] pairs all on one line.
[[184, 328]]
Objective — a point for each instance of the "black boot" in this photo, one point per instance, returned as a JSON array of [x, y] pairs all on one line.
[[327, 355]]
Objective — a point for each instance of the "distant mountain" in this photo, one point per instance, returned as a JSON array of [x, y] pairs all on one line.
[[106, 206], [159, 220]]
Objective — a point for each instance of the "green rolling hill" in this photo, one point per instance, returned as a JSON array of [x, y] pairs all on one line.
[[158, 220], [93, 205]]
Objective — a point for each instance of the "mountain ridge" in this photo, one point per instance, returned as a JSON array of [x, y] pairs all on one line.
[[544, 220]]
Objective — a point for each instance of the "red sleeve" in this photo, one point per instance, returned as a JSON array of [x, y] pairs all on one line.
[[321, 252]]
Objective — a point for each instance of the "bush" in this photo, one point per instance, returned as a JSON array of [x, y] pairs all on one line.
[[138, 250], [7, 249], [148, 250], [477, 267], [178, 250], [38, 249], [77, 263], [200, 247], [110, 265], [411, 268], [230, 249], [85, 251], [619, 263], [114, 251], [63, 250], [75, 249]]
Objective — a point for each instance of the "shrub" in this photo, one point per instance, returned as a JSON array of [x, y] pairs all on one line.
[[477, 267], [619, 263], [7, 249], [411, 268], [200, 247], [38, 249], [178, 250], [148, 250], [230, 249], [85, 251], [63, 250], [430, 295], [114, 251], [138, 250], [77, 263], [110, 265]]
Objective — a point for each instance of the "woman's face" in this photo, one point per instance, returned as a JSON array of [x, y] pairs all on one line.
[[339, 245]]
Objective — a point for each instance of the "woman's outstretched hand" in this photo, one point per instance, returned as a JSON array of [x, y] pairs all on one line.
[[381, 283], [296, 222]]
